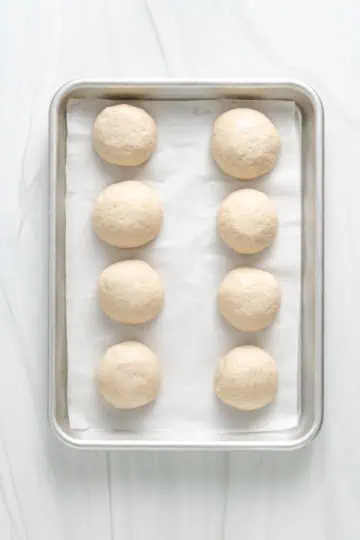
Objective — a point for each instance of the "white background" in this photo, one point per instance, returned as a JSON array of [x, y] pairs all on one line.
[[50, 492]]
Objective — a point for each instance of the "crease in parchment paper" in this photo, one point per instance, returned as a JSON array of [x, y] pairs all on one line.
[[189, 336]]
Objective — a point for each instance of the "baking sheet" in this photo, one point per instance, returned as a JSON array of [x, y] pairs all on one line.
[[190, 335]]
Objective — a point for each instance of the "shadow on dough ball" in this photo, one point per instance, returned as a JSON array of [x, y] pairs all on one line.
[[127, 214], [131, 292], [124, 135], [247, 221], [245, 143], [246, 378], [249, 299], [129, 375]]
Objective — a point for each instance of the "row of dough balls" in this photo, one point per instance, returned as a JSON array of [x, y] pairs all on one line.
[[245, 143], [129, 376], [132, 292], [129, 214]]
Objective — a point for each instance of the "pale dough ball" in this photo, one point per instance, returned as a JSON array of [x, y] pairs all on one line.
[[246, 378], [249, 299], [124, 135], [247, 221], [127, 214], [245, 143], [129, 375], [130, 292]]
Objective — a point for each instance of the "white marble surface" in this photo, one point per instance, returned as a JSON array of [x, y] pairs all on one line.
[[50, 492]]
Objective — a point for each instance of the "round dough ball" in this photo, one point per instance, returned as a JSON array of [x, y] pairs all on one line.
[[129, 375], [124, 135], [249, 299], [127, 214], [247, 221], [246, 378], [130, 292], [245, 143]]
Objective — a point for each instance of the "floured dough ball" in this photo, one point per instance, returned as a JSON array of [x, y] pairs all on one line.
[[247, 221], [130, 292], [249, 299], [246, 378], [245, 143], [124, 135], [127, 214], [129, 375]]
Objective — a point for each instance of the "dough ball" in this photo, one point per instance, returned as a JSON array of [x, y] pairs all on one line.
[[124, 135], [245, 143], [247, 221], [131, 292], [249, 299], [127, 214], [129, 375], [246, 378]]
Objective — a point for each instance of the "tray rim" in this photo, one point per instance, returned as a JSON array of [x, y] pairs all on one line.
[[62, 94]]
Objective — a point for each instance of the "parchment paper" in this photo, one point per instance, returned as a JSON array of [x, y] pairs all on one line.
[[189, 336]]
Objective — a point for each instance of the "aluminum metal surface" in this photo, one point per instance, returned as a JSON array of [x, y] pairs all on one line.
[[311, 326]]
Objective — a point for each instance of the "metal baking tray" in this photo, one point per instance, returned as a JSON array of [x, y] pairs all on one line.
[[311, 326]]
